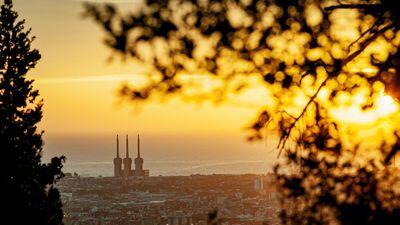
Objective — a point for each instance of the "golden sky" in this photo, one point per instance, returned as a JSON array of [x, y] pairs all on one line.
[[79, 85]]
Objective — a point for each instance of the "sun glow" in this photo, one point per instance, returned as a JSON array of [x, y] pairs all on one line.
[[384, 106]]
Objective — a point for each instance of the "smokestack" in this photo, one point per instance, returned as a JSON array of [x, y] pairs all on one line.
[[127, 147], [117, 147], [138, 146]]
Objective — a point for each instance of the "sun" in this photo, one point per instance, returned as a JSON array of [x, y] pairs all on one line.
[[385, 105]]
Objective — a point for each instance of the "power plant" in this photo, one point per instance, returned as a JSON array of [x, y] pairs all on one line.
[[127, 171]]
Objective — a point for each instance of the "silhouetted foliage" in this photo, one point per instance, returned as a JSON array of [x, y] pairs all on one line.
[[314, 57], [27, 185], [336, 185]]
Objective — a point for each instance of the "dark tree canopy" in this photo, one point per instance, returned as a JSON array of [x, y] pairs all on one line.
[[320, 61], [27, 185]]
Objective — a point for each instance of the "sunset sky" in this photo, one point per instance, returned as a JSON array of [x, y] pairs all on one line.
[[82, 111], [79, 85]]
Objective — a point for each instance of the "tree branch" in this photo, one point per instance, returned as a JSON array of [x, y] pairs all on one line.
[[352, 56]]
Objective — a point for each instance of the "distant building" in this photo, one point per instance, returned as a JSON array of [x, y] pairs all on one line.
[[127, 171], [117, 163], [258, 183]]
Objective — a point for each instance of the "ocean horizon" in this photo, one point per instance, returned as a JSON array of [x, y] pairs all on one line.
[[173, 168], [166, 155]]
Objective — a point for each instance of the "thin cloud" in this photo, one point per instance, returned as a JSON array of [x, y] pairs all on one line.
[[92, 79], [138, 77]]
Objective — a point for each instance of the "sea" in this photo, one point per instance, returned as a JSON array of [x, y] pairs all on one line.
[[91, 155]]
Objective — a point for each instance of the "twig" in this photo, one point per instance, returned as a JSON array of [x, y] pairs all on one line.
[[368, 42], [373, 27], [282, 142]]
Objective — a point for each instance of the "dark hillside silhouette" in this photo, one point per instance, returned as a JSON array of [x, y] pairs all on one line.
[[27, 184], [324, 51]]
